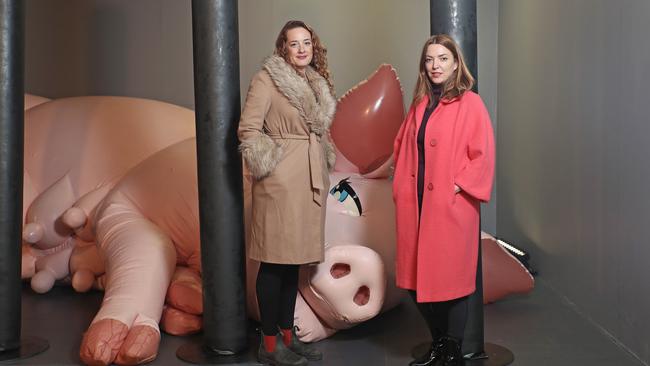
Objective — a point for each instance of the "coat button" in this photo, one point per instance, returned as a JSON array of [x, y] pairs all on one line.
[[433, 142], [430, 186]]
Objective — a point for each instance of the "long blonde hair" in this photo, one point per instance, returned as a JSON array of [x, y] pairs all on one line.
[[319, 59], [459, 82]]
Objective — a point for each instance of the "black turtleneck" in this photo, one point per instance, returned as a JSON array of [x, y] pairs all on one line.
[[420, 141]]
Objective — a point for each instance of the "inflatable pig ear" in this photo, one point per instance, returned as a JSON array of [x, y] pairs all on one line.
[[367, 119], [43, 226]]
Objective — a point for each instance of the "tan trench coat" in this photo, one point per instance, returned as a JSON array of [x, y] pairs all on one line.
[[284, 131]]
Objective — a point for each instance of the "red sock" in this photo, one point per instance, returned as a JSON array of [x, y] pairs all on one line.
[[269, 343], [286, 336]]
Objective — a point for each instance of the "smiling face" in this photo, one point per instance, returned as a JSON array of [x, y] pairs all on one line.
[[439, 63], [299, 48]]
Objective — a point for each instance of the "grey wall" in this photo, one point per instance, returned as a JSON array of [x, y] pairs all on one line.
[[110, 47], [573, 150]]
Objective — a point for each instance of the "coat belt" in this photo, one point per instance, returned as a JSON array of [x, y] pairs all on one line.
[[315, 161]]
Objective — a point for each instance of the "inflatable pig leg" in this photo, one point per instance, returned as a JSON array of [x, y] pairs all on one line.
[[183, 303], [145, 226], [140, 264]]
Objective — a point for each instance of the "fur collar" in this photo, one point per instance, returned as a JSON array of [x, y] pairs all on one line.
[[316, 112]]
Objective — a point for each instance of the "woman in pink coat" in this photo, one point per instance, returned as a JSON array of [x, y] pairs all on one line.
[[444, 166]]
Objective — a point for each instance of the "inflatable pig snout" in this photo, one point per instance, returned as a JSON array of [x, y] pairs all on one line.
[[347, 288]]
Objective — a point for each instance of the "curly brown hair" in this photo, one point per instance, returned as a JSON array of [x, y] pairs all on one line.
[[319, 59]]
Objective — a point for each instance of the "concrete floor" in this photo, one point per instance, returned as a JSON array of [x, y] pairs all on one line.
[[539, 328]]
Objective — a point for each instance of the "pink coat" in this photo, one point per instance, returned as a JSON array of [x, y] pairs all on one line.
[[438, 257]]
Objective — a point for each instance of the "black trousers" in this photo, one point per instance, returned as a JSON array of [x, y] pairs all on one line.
[[277, 285], [444, 318]]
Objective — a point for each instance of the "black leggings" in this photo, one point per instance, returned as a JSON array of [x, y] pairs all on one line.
[[444, 318], [277, 285]]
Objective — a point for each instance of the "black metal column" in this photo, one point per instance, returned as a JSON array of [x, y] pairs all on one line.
[[11, 165], [12, 30], [216, 95], [457, 18]]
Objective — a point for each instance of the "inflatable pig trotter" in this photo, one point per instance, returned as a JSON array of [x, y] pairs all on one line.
[[122, 209]]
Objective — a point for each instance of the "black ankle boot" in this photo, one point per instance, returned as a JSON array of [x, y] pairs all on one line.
[[303, 349], [451, 352], [281, 356], [430, 358]]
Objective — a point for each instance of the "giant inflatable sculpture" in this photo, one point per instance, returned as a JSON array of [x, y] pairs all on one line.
[[111, 202]]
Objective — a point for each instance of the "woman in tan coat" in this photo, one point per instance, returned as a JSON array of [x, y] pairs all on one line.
[[284, 135]]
